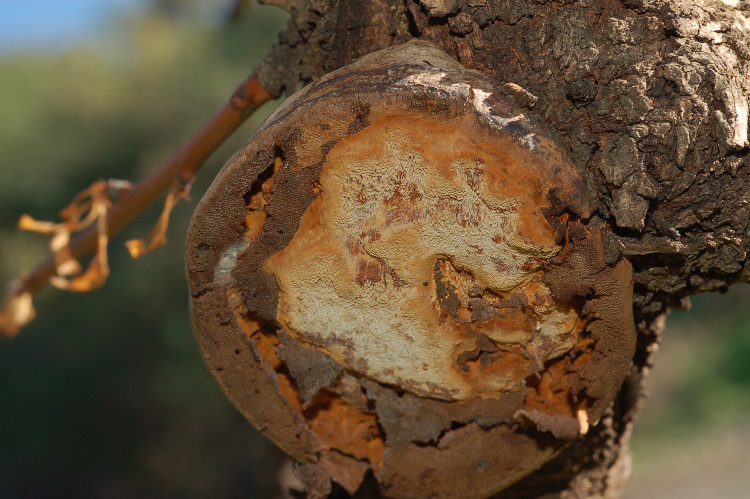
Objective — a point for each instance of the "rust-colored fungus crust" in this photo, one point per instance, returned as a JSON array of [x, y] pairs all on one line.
[[395, 275]]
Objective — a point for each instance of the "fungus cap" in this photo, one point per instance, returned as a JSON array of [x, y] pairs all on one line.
[[395, 274]]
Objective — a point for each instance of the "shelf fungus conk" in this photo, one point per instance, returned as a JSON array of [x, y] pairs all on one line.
[[395, 276]]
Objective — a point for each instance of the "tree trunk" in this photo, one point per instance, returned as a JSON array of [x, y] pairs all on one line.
[[648, 101]]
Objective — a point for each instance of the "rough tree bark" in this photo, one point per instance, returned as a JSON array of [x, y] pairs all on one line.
[[648, 100]]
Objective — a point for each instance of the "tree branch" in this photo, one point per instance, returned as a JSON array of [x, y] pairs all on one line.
[[177, 173]]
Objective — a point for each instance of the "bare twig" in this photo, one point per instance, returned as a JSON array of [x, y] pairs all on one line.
[[116, 211]]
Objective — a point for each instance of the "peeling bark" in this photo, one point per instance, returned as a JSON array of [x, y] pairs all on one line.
[[640, 107]]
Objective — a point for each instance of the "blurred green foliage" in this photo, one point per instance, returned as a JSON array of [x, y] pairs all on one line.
[[104, 395], [701, 371], [692, 437]]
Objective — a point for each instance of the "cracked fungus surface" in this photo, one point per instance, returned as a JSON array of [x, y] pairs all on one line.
[[418, 264]]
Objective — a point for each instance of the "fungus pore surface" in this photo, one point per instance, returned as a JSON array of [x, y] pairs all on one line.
[[405, 228]]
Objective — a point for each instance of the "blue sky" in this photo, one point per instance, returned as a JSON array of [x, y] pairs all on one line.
[[54, 24]]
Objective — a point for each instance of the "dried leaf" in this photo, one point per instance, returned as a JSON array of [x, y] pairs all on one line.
[[94, 277], [81, 212], [158, 235], [79, 215], [89, 206], [16, 311], [28, 223], [65, 262], [96, 274]]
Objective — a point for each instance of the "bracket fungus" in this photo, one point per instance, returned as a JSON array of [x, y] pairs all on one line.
[[395, 275]]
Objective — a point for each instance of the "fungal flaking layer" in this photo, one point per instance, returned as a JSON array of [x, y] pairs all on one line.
[[394, 201]]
